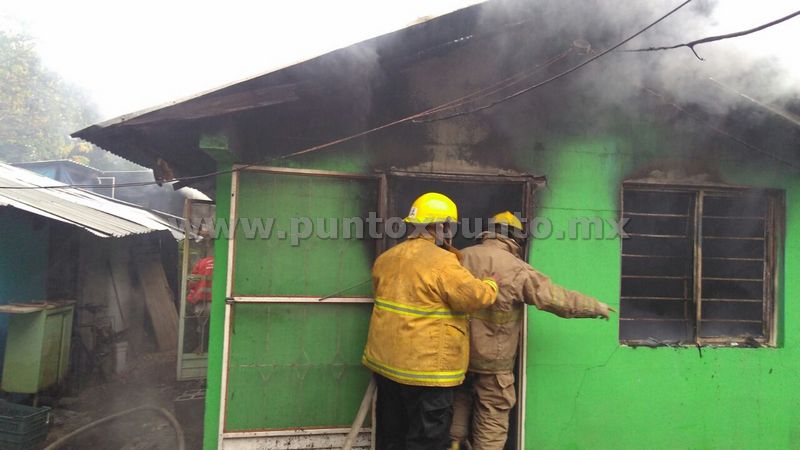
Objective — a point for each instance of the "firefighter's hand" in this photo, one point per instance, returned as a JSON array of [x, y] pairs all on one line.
[[604, 310]]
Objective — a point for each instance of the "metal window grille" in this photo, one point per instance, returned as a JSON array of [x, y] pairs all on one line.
[[698, 266]]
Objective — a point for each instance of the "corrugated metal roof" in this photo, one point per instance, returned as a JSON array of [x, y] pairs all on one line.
[[53, 162], [99, 215], [171, 131], [207, 103]]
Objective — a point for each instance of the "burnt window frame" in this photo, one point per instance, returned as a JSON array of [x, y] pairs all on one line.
[[774, 250]]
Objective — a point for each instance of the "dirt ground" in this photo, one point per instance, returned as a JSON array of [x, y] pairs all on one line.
[[148, 380]]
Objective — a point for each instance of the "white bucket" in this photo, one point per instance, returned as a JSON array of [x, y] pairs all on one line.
[[120, 356]]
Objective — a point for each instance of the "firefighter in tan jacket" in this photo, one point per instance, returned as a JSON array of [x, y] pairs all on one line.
[[488, 394], [417, 345]]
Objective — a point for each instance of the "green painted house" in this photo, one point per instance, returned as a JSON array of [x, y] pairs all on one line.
[[682, 214]]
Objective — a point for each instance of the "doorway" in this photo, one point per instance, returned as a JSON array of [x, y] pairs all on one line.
[[477, 197], [193, 320]]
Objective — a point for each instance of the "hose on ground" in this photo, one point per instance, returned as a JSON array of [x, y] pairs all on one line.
[[179, 437]]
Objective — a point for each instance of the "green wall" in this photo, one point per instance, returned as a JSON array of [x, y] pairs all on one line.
[[298, 364], [291, 266], [294, 365], [217, 319], [290, 364], [585, 391]]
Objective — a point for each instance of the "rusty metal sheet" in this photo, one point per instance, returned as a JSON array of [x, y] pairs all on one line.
[[101, 216]]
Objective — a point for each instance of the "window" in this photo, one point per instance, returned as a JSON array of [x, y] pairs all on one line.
[[698, 266]]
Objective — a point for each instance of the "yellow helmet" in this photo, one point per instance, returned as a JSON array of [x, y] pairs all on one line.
[[432, 208], [506, 217]]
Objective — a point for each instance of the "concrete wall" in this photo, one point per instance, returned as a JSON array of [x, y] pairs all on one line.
[[587, 391]]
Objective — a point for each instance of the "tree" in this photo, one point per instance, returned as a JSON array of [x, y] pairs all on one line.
[[38, 110]]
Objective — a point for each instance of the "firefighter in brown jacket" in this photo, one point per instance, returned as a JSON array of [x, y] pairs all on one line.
[[488, 394], [417, 345]]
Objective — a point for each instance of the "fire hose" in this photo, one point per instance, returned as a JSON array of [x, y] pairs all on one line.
[[180, 440]]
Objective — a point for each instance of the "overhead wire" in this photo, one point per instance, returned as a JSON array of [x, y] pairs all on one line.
[[720, 130], [488, 90], [502, 84], [95, 186], [498, 86], [557, 76]]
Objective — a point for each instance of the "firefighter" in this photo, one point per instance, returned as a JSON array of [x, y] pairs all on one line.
[[487, 396], [198, 290], [417, 345]]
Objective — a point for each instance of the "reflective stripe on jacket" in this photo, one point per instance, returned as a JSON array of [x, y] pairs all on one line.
[[418, 330], [495, 331], [199, 286]]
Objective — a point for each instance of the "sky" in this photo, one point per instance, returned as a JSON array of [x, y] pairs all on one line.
[[133, 55]]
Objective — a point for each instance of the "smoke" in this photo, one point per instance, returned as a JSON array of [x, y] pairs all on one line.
[[764, 65]]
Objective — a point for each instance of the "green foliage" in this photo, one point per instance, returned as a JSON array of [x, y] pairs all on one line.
[[38, 110]]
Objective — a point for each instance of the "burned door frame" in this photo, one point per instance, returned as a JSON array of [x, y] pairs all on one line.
[[529, 183], [200, 362], [313, 437], [280, 438]]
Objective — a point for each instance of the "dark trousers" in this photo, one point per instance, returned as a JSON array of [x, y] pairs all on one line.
[[413, 417]]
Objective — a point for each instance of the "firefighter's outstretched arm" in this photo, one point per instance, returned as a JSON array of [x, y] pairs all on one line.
[[462, 291], [540, 291]]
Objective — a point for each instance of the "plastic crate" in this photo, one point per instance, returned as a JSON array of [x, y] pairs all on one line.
[[22, 427], [28, 441], [19, 419]]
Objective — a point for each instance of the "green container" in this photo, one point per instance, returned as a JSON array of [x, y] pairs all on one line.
[[37, 346]]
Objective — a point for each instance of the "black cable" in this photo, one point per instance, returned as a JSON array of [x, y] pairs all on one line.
[[721, 131], [488, 90], [93, 186]]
